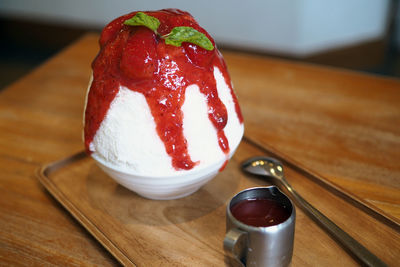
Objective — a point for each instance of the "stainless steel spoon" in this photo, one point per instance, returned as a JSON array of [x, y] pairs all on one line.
[[273, 168]]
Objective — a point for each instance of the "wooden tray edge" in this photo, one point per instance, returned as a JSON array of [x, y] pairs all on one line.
[[43, 173]]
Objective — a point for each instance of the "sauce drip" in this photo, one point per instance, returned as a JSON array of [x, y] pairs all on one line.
[[137, 58], [260, 212]]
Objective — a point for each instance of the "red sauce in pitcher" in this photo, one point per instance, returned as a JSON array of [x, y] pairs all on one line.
[[260, 212]]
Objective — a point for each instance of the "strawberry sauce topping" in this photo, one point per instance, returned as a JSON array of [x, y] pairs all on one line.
[[137, 58]]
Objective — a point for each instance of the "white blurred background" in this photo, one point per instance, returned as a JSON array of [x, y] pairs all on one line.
[[356, 34]]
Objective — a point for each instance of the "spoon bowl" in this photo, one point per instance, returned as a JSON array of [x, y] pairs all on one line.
[[264, 166]]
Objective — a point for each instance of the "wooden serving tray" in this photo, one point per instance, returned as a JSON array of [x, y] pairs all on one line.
[[190, 231]]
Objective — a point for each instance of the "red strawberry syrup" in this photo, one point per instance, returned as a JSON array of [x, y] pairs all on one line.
[[137, 58]]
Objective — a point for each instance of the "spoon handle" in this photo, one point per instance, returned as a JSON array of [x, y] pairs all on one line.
[[352, 245]]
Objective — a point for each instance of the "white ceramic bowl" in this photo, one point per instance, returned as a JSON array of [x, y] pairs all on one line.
[[163, 187]]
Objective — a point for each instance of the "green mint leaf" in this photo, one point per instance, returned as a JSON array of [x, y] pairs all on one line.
[[190, 35], [141, 19]]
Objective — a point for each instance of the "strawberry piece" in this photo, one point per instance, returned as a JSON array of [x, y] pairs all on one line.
[[197, 55], [139, 56]]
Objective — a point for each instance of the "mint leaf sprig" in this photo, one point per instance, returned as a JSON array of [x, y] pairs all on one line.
[[141, 19], [176, 37]]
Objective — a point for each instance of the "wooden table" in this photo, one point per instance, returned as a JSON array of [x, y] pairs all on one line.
[[341, 127]]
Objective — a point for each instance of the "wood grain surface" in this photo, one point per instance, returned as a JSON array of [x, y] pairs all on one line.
[[342, 125]]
